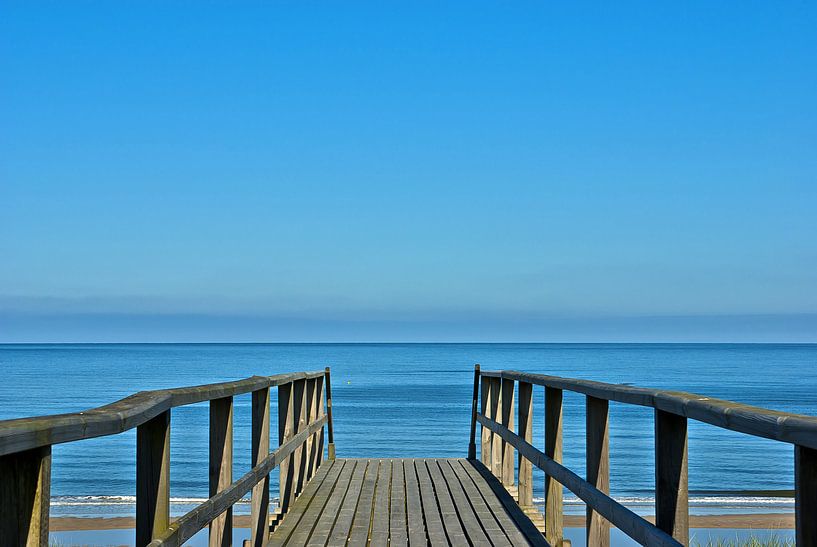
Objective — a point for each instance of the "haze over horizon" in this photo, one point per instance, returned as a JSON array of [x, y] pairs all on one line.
[[421, 172]]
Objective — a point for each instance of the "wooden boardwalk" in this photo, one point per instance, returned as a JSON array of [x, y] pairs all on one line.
[[381, 502]]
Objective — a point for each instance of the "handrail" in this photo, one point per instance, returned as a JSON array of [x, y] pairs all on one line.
[[25, 456], [760, 422], [26, 433], [672, 409]]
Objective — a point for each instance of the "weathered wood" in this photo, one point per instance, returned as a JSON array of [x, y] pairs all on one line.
[[221, 467], [186, 527], [507, 419], [671, 491], [525, 429], [317, 439], [431, 510], [379, 536], [298, 468], [448, 511], [359, 535], [398, 523], [414, 507], [464, 509], [152, 478], [805, 495], [346, 515], [472, 444], [286, 430], [491, 523], [627, 521], [554, 507], [311, 405], [323, 528], [25, 486], [26, 433], [598, 467], [497, 449], [330, 427], [486, 448], [259, 502], [760, 422]]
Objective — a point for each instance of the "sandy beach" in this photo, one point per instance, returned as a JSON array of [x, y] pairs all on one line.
[[758, 521]]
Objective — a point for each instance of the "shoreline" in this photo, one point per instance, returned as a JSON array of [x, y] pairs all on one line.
[[757, 521]]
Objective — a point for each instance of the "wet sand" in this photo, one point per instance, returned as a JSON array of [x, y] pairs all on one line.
[[759, 521]]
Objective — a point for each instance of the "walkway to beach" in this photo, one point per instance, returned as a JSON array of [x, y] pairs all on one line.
[[405, 502]]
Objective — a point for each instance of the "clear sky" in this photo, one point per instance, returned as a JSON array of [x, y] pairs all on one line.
[[408, 171]]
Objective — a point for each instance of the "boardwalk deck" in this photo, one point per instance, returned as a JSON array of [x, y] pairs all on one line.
[[381, 502]]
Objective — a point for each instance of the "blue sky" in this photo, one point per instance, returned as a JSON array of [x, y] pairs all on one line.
[[408, 171]]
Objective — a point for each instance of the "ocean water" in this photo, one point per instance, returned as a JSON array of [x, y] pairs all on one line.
[[413, 400]]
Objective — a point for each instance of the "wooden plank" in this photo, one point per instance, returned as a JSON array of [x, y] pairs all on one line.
[[526, 432], [380, 512], [311, 397], [25, 487], [431, 510], [489, 521], [472, 443], [487, 439], [671, 481], [397, 504], [317, 452], [298, 467], [521, 524], [152, 478], [359, 535], [221, 467], [508, 460], [598, 467], [414, 506], [330, 424], [497, 449], [320, 535], [554, 508], [463, 507], [313, 500], [259, 502], [450, 516], [805, 495], [290, 523], [343, 523]]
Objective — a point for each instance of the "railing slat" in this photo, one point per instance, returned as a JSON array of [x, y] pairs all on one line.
[[805, 500], [286, 430], [330, 430], [671, 491], [486, 434], [598, 467], [554, 518], [152, 478], [221, 467], [526, 432], [507, 416], [259, 503], [472, 442], [497, 442], [25, 489]]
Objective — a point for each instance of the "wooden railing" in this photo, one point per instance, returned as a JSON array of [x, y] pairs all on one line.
[[25, 457], [495, 391]]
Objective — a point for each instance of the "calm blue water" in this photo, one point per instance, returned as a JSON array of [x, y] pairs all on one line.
[[413, 400]]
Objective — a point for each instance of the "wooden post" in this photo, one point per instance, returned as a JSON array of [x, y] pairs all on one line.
[[472, 445], [259, 505], [286, 429], [221, 467], [329, 424], [152, 478], [487, 434], [598, 466], [671, 494], [496, 412], [317, 452], [508, 460], [25, 493], [309, 445], [805, 495], [299, 419], [526, 432], [554, 518]]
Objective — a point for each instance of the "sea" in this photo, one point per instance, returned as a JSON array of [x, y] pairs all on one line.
[[414, 400]]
